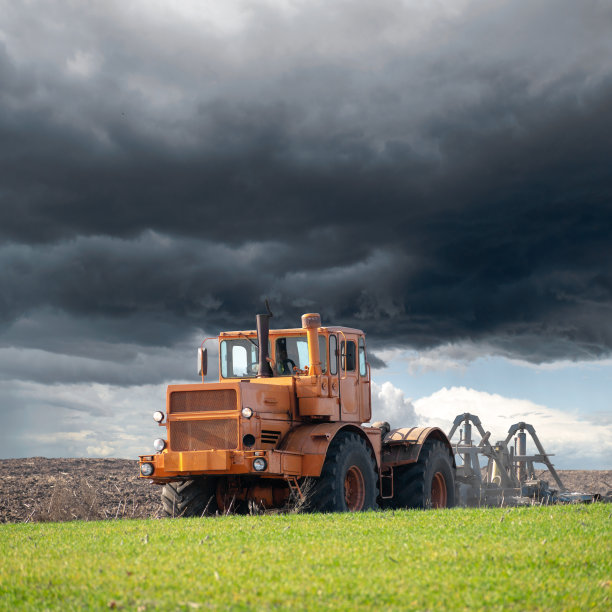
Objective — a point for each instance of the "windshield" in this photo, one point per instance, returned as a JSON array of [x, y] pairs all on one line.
[[291, 354], [238, 358]]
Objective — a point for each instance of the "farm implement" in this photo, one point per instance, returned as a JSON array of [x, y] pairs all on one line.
[[509, 475]]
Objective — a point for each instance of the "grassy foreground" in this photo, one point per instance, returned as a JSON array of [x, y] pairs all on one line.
[[530, 558]]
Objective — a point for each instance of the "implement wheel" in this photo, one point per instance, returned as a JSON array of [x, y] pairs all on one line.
[[348, 479], [428, 483], [189, 497]]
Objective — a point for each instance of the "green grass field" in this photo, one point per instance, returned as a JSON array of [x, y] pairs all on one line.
[[531, 558]]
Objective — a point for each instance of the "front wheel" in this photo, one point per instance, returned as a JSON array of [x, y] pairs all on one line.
[[348, 478], [428, 483], [189, 497]]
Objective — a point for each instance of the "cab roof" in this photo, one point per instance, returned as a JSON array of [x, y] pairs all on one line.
[[293, 331]]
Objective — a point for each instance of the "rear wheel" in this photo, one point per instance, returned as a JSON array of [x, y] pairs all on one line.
[[348, 479], [189, 497], [428, 483]]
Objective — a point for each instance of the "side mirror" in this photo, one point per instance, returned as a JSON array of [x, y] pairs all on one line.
[[202, 362]]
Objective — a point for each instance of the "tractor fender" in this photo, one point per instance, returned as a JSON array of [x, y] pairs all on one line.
[[403, 445], [312, 442]]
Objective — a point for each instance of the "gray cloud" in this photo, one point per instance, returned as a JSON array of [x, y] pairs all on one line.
[[429, 174], [78, 420]]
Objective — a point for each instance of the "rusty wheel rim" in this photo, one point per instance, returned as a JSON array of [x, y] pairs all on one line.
[[354, 489], [438, 491]]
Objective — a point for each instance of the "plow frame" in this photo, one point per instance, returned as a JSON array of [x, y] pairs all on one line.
[[510, 470]]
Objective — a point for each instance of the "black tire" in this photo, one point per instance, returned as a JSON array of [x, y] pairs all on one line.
[[190, 497], [432, 473], [348, 480]]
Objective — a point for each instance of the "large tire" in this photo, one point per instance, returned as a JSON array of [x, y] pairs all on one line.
[[348, 480], [428, 483], [189, 497]]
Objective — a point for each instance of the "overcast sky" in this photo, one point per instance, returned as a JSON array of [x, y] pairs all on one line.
[[438, 174]]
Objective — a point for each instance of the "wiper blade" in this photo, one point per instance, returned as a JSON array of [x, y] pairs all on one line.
[[250, 340]]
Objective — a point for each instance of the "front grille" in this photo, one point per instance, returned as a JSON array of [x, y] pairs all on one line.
[[269, 437], [204, 435], [202, 401]]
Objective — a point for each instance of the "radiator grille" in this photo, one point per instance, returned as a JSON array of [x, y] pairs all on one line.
[[269, 437], [202, 401], [204, 435]]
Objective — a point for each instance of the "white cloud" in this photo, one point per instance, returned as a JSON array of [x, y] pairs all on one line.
[[61, 436], [389, 404], [104, 450], [575, 441]]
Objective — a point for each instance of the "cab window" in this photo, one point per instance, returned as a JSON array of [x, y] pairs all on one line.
[[362, 358], [291, 354], [333, 355], [239, 359], [348, 354]]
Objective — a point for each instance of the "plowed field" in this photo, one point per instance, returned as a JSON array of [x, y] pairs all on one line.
[[36, 489]]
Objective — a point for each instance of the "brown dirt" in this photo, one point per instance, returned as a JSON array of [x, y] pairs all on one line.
[[39, 489], [581, 481]]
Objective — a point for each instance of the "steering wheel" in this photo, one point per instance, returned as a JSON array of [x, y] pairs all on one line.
[[283, 366], [253, 367]]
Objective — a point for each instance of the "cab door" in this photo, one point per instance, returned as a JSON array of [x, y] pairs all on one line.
[[365, 386], [350, 395]]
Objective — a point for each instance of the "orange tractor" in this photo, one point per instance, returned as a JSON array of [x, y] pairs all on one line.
[[284, 424]]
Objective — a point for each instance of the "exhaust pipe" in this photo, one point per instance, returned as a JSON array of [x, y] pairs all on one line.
[[263, 331], [311, 323]]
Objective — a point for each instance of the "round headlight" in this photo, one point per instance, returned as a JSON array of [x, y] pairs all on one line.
[[259, 464], [146, 469], [159, 444], [247, 412], [158, 416]]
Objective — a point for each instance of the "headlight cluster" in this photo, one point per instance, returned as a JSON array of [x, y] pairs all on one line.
[[259, 464]]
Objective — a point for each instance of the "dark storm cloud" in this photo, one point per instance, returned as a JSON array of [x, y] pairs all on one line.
[[426, 174]]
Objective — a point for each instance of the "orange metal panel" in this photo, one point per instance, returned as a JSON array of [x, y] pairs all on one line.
[[195, 461], [310, 386], [318, 406], [375, 439], [291, 463], [312, 441], [404, 445], [409, 434], [268, 398], [169, 464], [312, 465]]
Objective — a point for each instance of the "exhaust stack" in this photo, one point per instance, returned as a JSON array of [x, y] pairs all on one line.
[[263, 330]]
